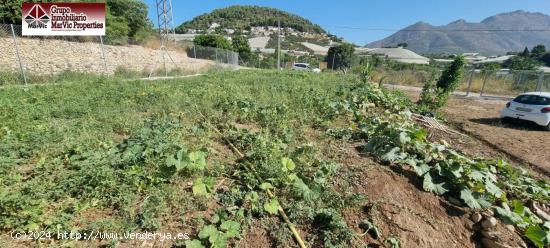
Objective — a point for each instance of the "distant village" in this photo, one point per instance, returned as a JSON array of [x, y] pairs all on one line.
[[259, 37]]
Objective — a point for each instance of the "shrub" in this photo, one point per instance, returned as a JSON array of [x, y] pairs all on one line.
[[340, 57], [435, 96], [212, 40]]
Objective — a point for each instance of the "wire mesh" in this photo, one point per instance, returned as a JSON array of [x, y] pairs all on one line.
[[51, 55]]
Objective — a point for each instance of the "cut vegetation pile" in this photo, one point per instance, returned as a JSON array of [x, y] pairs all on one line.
[[243, 158]]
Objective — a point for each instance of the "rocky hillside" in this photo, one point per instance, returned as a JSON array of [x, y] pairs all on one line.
[[244, 17], [495, 35]]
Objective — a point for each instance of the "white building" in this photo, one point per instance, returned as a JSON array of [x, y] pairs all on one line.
[[400, 55]]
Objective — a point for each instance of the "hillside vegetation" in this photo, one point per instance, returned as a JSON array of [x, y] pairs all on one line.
[[244, 17]]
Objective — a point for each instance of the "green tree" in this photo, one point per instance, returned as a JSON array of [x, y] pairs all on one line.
[[435, 96], [520, 63], [212, 40], [117, 29], [525, 52], [538, 51], [490, 67], [340, 57], [546, 59], [241, 46], [133, 14]]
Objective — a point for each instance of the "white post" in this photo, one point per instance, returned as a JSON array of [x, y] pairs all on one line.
[[539, 82], [279, 45], [103, 54], [18, 56], [470, 82]]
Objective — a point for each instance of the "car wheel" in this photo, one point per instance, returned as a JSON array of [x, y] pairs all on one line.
[[547, 128]]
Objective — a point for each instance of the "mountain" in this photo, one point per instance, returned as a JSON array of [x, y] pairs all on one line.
[[243, 17], [495, 35]]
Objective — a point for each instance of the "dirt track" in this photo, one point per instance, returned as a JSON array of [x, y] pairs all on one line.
[[523, 142]]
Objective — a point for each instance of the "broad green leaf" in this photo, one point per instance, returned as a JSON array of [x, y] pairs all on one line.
[[456, 170], [404, 138], [392, 155], [288, 164], [392, 241], [538, 236], [199, 188], [272, 206], [251, 196], [208, 231], [197, 160], [437, 188], [473, 202], [508, 216], [493, 189], [421, 169], [477, 175], [178, 161], [218, 240], [215, 237], [231, 228], [266, 186], [301, 189], [193, 244]]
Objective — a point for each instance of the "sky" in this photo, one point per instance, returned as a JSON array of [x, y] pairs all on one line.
[[350, 19]]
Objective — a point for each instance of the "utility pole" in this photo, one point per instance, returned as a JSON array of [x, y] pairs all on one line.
[[166, 29], [279, 45]]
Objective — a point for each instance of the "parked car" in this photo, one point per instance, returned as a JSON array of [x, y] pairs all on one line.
[[305, 67], [531, 106]]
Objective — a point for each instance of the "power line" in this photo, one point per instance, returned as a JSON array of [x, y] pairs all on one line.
[[437, 29]]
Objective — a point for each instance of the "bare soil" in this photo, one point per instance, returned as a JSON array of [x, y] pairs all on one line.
[[524, 143]]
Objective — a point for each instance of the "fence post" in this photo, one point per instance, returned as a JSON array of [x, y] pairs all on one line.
[[472, 72], [194, 51], [103, 54], [227, 56], [18, 56], [484, 82], [216, 49], [539, 82]]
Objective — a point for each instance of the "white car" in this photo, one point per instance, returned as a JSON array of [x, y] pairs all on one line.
[[531, 106], [305, 67]]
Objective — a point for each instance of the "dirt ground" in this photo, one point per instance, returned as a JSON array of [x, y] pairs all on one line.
[[523, 143], [395, 200]]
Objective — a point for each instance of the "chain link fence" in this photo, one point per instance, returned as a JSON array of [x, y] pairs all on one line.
[[36, 56], [503, 83], [499, 83]]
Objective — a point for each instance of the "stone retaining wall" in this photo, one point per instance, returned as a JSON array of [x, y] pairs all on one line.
[[50, 56]]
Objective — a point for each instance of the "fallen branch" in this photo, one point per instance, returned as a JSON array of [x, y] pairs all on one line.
[[432, 123]]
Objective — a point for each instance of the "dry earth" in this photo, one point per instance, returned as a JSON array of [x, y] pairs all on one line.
[[524, 143]]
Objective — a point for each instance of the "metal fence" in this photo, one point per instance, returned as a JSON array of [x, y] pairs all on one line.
[[500, 83], [504, 83], [34, 56]]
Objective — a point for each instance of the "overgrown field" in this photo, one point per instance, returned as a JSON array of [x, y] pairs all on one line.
[[223, 155]]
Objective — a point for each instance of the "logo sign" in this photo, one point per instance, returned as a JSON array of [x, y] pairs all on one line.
[[70, 19]]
